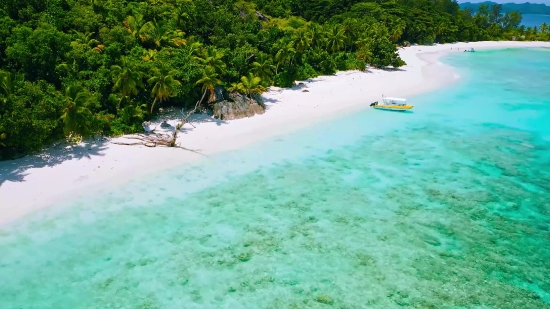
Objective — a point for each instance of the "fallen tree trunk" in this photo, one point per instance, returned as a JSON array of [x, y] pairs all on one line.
[[168, 140], [149, 140]]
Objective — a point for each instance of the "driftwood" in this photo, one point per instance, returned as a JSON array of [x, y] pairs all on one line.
[[148, 139], [151, 139]]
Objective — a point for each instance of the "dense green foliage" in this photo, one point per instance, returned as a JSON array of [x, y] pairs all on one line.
[[523, 8], [80, 67]]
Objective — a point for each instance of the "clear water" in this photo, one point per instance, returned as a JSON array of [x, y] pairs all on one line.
[[446, 207]]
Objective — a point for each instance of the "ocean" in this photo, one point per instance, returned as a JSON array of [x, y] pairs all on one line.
[[534, 20], [444, 207]]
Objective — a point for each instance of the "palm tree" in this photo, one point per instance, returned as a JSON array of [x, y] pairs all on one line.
[[350, 31], [6, 85], [195, 48], [439, 29], [335, 38], [165, 85], [208, 81], [397, 28], [149, 55], [364, 40], [161, 35], [76, 115], [284, 55], [127, 79], [134, 24], [365, 53], [263, 67], [250, 84], [544, 31], [86, 40], [213, 58], [301, 41], [66, 71], [316, 35]]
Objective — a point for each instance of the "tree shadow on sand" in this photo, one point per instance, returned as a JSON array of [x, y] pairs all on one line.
[[390, 69], [270, 100], [16, 170], [205, 118]]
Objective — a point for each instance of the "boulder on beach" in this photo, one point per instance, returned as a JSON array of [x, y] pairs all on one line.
[[230, 106]]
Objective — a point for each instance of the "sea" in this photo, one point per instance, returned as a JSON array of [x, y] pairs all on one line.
[[534, 20], [447, 206]]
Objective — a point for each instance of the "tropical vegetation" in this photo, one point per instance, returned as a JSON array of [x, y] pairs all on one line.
[[83, 67]]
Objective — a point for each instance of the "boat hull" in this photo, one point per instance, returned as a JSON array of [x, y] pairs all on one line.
[[399, 108]]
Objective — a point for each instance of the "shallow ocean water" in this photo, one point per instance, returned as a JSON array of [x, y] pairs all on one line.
[[446, 207]]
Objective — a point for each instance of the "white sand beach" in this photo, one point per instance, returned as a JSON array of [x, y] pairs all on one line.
[[36, 181]]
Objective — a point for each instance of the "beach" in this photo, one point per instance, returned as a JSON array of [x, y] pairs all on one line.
[[61, 171], [317, 203]]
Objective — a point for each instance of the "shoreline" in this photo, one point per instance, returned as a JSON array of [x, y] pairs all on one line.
[[37, 181]]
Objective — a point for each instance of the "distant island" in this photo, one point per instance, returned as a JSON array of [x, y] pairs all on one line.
[[523, 8]]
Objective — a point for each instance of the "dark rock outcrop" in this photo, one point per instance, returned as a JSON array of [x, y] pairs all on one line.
[[237, 106], [219, 94]]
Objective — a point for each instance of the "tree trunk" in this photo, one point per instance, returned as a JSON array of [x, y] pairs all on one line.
[[202, 98], [153, 105], [184, 120], [120, 102]]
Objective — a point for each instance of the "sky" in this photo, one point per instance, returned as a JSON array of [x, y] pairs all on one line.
[[547, 2]]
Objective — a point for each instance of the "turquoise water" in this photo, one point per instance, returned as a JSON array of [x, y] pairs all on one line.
[[446, 207]]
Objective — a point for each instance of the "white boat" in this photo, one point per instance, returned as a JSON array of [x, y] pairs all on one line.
[[389, 103]]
